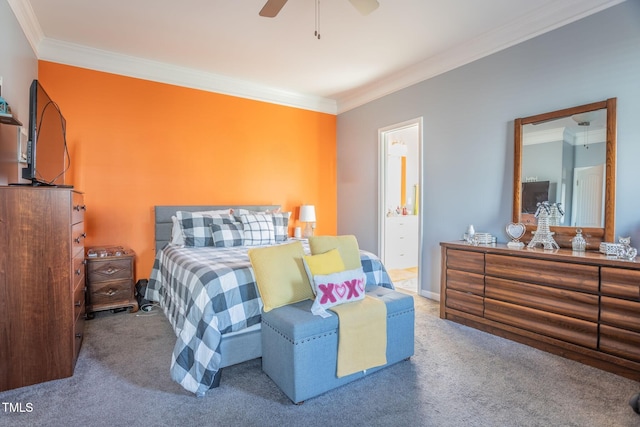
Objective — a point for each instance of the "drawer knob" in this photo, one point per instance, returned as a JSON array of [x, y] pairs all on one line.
[[79, 208], [78, 303], [111, 292], [78, 335], [110, 270], [78, 272], [80, 237]]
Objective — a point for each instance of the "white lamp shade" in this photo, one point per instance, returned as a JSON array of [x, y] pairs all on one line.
[[307, 213]]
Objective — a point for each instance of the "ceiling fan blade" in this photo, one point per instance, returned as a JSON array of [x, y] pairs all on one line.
[[365, 7], [272, 8]]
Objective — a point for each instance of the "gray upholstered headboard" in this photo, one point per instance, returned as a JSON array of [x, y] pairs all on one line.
[[163, 216]]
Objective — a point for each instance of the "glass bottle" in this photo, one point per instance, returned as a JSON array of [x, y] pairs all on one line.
[[578, 243]]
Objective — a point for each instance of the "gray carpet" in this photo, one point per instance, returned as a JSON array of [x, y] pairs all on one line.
[[458, 377]]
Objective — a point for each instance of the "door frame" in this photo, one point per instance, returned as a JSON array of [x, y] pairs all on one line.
[[382, 178]]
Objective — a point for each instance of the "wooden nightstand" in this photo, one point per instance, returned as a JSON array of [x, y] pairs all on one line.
[[110, 279]]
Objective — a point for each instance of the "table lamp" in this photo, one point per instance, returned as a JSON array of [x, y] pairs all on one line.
[[308, 215]]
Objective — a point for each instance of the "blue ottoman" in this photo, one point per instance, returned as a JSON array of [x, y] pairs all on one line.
[[299, 350]]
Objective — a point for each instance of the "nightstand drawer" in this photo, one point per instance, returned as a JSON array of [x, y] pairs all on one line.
[[113, 269], [111, 292]]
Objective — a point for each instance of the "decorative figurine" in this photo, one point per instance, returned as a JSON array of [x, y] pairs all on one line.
[[625, 250], [4, 106], [543, 236], [555, 214]]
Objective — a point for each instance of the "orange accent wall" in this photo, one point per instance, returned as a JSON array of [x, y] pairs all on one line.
[[135, 144]]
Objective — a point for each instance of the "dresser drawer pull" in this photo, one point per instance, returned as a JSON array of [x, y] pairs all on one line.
[[79, 208], [110, 270], [111, 292], [78, 272], [80, 237], [79, 335], [78, 303]]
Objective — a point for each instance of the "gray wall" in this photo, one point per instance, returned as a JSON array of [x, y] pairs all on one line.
[[468, 131], [18, 67]]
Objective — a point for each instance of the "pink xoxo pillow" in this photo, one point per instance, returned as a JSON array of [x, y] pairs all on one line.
[[337, 288]]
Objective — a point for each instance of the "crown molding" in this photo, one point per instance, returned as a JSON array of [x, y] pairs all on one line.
[[82, 56], [550, 17], [110, 62], [553, 15], [28, 22]]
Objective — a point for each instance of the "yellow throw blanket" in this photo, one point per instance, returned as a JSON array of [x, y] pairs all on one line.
[[362, 336]]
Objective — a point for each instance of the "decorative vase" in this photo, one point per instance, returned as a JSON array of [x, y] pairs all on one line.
[[578, 243]]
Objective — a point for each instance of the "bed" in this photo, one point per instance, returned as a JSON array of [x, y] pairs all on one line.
[[209, 296]]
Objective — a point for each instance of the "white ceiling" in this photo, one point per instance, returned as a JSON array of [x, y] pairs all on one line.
[[224, 46]]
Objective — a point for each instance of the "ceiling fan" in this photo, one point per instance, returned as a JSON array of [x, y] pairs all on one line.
[[272, 7]]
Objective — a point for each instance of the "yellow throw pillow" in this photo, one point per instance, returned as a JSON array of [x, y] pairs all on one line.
[[326, 263], [280, 274], [347, 245]]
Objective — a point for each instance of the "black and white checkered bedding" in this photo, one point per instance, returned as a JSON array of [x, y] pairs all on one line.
[[206, 292]]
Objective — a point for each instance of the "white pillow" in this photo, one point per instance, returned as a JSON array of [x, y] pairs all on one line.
[[177, 237]]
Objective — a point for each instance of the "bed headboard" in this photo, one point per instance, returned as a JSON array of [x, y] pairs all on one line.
[[163, 214]]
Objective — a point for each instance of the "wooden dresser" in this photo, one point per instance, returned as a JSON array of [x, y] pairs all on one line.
[[583, 306], [42, 287]]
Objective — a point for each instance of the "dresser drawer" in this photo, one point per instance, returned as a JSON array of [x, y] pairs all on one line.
[[78, 237], [78, 336], [618, 282], [472, 262], [560, 301], [463, 281], [77, 269], [577, 277], [402, 225], [112, 292], [621, 313], [79, 298], [552, 325], [112, 269], [78, 208], [620, 342], [464, 301]]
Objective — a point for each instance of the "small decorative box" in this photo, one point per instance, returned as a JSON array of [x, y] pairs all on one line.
[[610, 248], [483, 238]]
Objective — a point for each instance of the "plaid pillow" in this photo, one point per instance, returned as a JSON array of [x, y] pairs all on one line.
[[258, 229], [196, 227], [281, 225], [227, 235]]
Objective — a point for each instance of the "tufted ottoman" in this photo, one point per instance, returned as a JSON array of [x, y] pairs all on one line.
[[299, 350]]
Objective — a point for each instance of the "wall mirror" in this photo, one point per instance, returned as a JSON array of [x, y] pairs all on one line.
[[568, 157]]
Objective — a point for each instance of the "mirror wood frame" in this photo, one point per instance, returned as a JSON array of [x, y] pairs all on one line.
[[563, 235]]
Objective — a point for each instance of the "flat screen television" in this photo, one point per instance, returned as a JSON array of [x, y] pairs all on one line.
[[534, 193], [47, 152]]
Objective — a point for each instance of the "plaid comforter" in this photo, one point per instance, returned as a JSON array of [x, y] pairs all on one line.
[[206, 292]]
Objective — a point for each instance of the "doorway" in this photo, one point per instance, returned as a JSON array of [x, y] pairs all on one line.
[[588, 196], [400, 202]]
